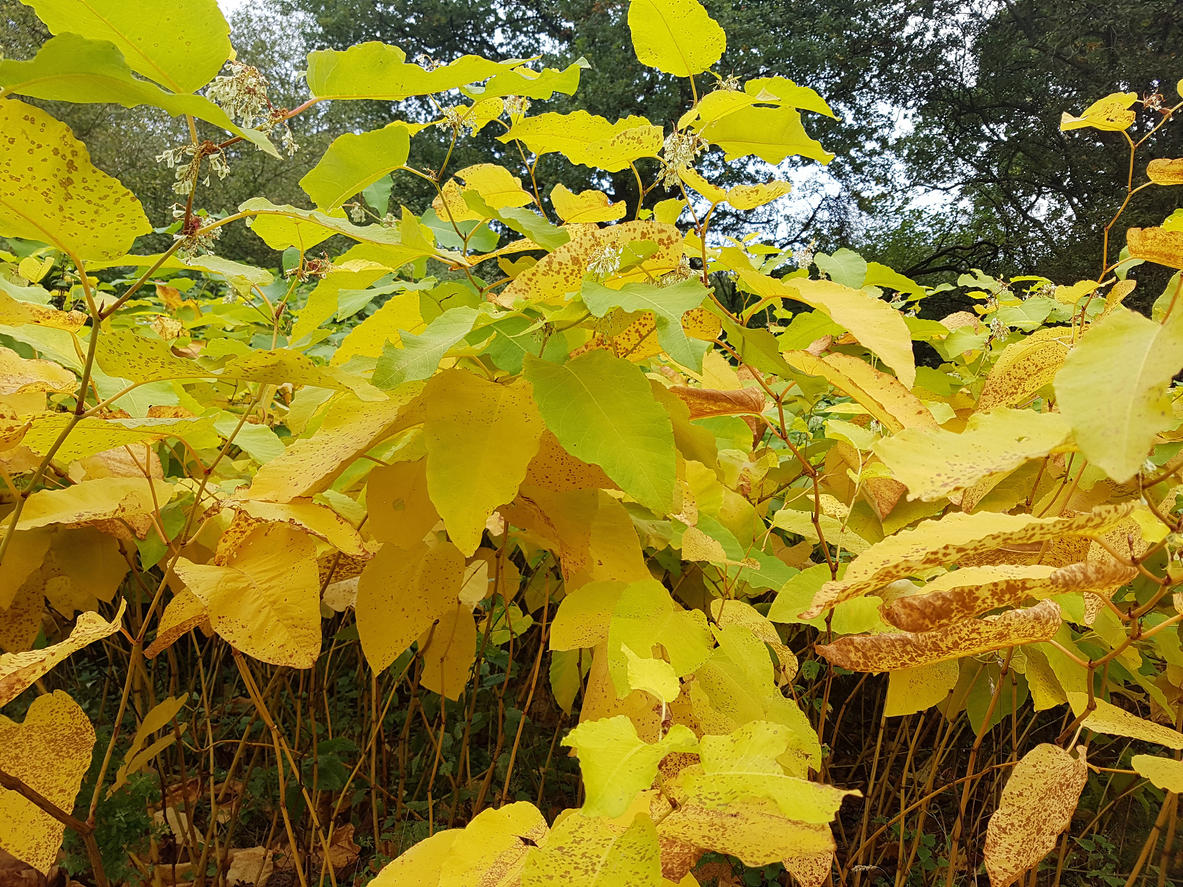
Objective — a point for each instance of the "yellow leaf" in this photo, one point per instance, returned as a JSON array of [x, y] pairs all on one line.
[[319, 520], [400, 510], [1114, 388], [1037, 804], [468, 474], [1110, 114], [399, 313], [1107, 718], [20, 670], [33, 269], [733, 612], [495, 185], [137, 757], [265, 601], [945, 540], [617, 764], [746, 197], [181, 44], [181, 615], [675, 36], [873, 322], [588, 139], [881, 395], [892, 650], [448, 649], [312, 463], [1166, 773], [584, 851], [401, 593], [50, 753], [754, 831], [104, 498], [51, 193], [26, 551], [583, 616], [586, 206], [933, 463], [421, 863], [1157, 245], [492, 848], [1165, 172], [910, 690], [1024, 367], [14, 312], [654, 676]]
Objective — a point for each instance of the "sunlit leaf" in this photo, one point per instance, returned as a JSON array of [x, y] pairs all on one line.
[[180, 44], [1113, 388], [586, 206], [1110, 114], [354, 161], [50, 192], [616, 764], [675, 36], [493, 847], [587, 139], [586, 851]]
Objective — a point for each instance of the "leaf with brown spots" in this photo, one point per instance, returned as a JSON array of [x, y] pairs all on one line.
[[950, 539], [492, 848], [51, 193], [1158, 245], [399, 507], [265, 600], [892, 650], [1037, 804], [1024, 367], [584, 851], [20, 670], [50, 753], [953, 596], [400, 594], [448, 650], [934, 463]]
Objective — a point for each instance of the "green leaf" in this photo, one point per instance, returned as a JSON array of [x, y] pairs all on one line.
[[419, 356], [675, 36], [469, 476], [181, 44], [668, 304], [51, 193], [378, 71], [354, 161], [602, 410], [584, 851], [1113, 388], [617, 765], [70, 68]]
